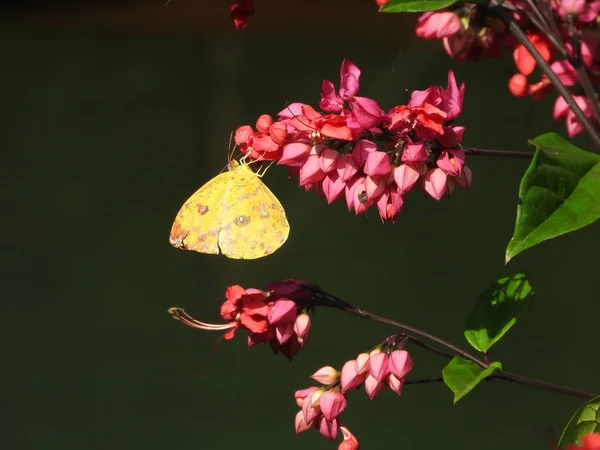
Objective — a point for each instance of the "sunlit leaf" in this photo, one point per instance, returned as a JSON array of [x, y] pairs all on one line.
[[585, 420], [461, 376], [497, 310], [396, 6], [559, 193]]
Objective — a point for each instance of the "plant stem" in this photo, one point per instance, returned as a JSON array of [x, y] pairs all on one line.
[[504, 153], [332, 301], [499, 11]]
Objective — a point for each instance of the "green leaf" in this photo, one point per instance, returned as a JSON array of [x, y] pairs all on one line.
[[585, 420], [397, 6], [461, 376], [497, 310], [560, 193]]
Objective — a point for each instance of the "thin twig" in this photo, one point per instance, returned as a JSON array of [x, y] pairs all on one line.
[[544, 67], [504, 153]]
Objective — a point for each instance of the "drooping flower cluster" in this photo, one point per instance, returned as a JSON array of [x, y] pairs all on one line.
[[590, 441], [321, 407], [468, 33], [356, 151], [271, 316]]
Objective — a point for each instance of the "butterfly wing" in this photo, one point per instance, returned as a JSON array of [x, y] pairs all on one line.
[[199, 221], [235, 213], [255, 224]]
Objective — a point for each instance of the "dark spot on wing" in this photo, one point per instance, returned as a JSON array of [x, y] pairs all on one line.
[[241, 221], [202, 209]]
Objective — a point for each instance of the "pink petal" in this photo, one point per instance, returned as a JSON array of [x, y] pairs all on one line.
[[465, 178], [327, 428], [361, 151], [350, 379], [327, 159], [400, 363], [346, 167], [349, 74], [379, 365], [325, 375], [374, 187], [366, 111], [300, 424], [295, 154], [333, 187], [405, 177], [565, 71], [377, 164], [310, 172], [302, 326], [282, 311], [435, 183], [395, 383], [362, 363], [373, 387], [301, 394], [330, 101], [332, 404], [284, 331], [414, 153], [291, 111]]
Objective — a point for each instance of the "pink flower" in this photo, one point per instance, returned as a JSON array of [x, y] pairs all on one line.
[[426, 119], [377, 164], [351, 377], [584, 11], [350, 442], [302, 327], [436, 25], [449, 100], [378, 363], [326, 375], [561, 109], [405, 176], [331, 125], [333, 187], [451, 162], [389, 203], [400, 363]]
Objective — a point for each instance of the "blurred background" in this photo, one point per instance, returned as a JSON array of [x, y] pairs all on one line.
[[114, 112]]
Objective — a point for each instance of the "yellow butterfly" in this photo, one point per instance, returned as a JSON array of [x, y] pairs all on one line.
[[235, 213]]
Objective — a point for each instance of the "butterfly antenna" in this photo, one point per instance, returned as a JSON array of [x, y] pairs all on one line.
[[298, 119]]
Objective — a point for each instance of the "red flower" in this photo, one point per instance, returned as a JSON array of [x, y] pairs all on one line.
[[241, 12]]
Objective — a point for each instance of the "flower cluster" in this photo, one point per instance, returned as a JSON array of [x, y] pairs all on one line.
[[356, 151], [590, 441], [241, 12], [468, 33], [271, 316], [321, 407]]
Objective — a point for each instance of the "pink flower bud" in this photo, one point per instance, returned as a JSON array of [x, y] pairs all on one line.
[[327, 160], [333, 187], [242, 134], [374, 187], [373, 387], [465, 179], [350, 379], [278, 133], [310, 172], [263, 123], [332, 403], [302, 327], [414, 153], [435, 183], [451, 162], [379, 365], [377, 164], [405, 177], [395, 383], [400, 363], [326, 375], [389, 204], [361, 151], [347, 167], [303, 393], [362, 363], [300, 424], [284, 331], [310, 408], [349, 442], [327, 428]]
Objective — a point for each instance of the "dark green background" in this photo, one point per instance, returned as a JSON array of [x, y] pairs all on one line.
[[105, 133]]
